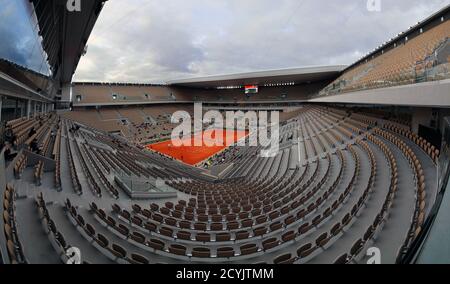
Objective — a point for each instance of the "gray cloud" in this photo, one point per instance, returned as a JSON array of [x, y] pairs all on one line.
[[155, 41], [19, 41]]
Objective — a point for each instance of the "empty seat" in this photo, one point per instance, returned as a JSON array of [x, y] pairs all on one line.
[[156, 244], [248, 249], [276, 226], [177, 249], [305, 250], [232, 226], [247, 223], [200, 226], [170, 222], [270, 243], [201, 252], [288, 236], [357, 247], [322, 240], [185, 225], [216, 227], [203, 218], [183, 235], [166, 232], [150, 227], [119, 251], [138, 259], [260, 231], [343, 259], [242, 235], [203, 237], [223, 237], [284, 259], [225, 252], [138, 237]]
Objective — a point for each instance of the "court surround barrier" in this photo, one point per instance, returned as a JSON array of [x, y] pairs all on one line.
[[144, 188]]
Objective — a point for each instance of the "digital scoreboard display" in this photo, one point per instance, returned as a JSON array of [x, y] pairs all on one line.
[[251, 89]]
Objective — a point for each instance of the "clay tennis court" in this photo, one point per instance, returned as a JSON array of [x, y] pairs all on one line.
[[193, 155]]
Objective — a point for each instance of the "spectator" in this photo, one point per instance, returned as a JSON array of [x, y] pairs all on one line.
[[2, 132], [9, 155], [9, 135], [32, 132], [34, 146]]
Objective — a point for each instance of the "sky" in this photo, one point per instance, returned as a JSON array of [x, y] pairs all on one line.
[[19, 42], [155, 41]]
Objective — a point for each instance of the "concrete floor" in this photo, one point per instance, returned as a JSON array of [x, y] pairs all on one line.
[[37, 247]]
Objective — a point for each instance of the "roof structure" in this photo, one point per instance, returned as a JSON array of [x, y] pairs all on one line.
[[292, 75], [65, 33]]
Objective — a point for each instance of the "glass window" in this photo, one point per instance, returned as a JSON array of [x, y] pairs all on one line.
[[21, 43]]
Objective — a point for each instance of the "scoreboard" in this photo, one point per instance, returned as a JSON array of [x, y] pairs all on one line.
[[251, 89]]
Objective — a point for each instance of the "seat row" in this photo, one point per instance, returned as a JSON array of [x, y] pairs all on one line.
[[95, 189], [56, 155], [103, 179], [326, 239], [426, 146], [418, 219], [357, 250], [38, 172], [73, 171], [20, 165], [231, 210], [43, 127], [21, 132], [113, 251], [165, 247], [286, 237], [15, 250]]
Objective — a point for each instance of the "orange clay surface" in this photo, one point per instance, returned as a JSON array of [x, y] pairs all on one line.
[[193, 155]]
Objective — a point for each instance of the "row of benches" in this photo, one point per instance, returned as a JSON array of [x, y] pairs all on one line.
[[15, 250]]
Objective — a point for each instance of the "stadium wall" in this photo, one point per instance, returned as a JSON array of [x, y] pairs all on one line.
[[89, 95], [428, 94]]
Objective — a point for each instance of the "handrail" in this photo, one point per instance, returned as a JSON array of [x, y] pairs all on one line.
[[413, 252], [3, 250], [411, 255]]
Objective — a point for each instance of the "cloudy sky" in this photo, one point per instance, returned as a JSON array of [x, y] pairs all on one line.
[[151, 41], [18, 36]]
